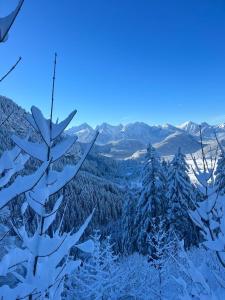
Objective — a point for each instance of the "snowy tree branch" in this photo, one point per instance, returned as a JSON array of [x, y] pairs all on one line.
[[11, 69]]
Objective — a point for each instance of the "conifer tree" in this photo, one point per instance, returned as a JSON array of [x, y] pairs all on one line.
[[180, 199], [98, 277], [220, 175], [45, 253], [209, 213], [160, 247], [152, 201], [129, 244], [190, 278]]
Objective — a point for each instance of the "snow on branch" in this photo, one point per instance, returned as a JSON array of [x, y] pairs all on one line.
[[21, 185], [7, 22]]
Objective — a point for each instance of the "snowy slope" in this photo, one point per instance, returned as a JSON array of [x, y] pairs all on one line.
[[84, 132], [170, 145]]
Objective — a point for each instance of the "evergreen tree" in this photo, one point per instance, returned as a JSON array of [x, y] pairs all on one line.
[[98, 276], [180, 199], [160, 247], [152, 200], [208, 214], [190, 278], [165, 168], [46, 252], [220, 175], [128, 222]]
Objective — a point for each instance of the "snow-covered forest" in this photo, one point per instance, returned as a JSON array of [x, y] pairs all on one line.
[[84, 217]]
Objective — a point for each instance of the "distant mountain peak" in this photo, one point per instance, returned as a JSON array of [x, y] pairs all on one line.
[[189, 127], [221, 125], [187, 124], [168, 126], [205, 124]]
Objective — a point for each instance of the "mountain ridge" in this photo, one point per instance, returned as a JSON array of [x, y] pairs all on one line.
[[129, 141], [122, 141]]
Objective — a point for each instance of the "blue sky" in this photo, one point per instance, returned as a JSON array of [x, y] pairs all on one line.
[[119, 61]]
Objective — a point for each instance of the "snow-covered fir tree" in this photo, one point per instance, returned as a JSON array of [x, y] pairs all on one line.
[[12, 162], [180, 198], [129, 244], [152, 202], [209, 212], [160, 247], [45, 253], [189, 277], [220, 174], [99, 275], [165, 168]]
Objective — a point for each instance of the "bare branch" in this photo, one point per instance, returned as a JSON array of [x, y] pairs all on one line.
[[203, 153], [53, 90], [62, 218], [219, 144], [6, 119], [5, 234], [17, 264], [55, 250], [10, 70]]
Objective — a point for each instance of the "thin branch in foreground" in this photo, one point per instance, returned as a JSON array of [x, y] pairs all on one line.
[[53, 88], [10, 70], [6, 119], [5, 234]]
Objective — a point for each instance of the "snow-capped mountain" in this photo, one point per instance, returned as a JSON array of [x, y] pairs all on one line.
[[139, 131], [169, 145], [190, 127], [109, 133], [123, 141], [129, 141], [84, 132], [208, 131]]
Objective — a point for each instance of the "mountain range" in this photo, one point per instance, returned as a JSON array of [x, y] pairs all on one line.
[[130, 141]]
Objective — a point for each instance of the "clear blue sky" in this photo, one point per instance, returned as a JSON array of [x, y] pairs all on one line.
[[120, 61]]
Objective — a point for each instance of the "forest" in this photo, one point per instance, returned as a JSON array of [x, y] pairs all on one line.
[[77, 224]]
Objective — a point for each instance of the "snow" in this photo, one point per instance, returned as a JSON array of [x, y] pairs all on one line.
[[35, 150], [189, 126], [49, 218], [45, 257], [57, 129], [87, 246], [166, 138], [21, 185], [6, 22], [62, 148], [11, 162], [42, 124]]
